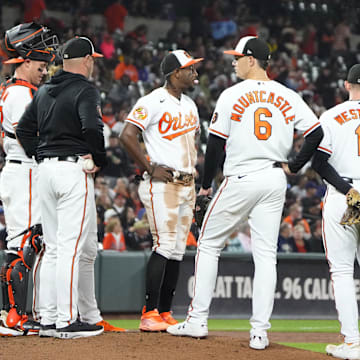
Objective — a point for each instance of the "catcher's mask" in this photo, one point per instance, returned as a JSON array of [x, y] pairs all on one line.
[[30, 41]]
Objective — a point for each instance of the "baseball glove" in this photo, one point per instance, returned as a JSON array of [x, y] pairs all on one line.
[[353, 198], [351, 216], [201, 205]]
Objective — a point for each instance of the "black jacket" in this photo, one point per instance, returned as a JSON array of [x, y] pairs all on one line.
[[64, 119]]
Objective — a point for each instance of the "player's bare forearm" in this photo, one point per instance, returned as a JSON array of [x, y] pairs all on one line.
[[129, 137]]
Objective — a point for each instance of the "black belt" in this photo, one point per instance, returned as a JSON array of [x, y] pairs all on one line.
[[9, 134], [14, 161], [350, 181], [277, 165], [62, 158]]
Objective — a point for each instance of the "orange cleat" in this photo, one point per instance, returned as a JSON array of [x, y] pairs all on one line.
[[108, 327], [152, 321], [167, 317]]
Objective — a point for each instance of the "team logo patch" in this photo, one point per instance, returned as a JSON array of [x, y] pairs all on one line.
[[214, 118], [140, 113]]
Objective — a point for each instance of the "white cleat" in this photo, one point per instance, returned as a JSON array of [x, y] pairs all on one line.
[[259, 342], [189, 329], [344, 351]]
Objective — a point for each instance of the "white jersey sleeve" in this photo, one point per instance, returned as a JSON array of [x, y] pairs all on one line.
[[142, 113], [220, 121], [305, 120], [325, 145]]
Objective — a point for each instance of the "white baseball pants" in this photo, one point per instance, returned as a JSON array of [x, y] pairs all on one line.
[[258, 197], [341, 245], [69, 223], [169, 208]]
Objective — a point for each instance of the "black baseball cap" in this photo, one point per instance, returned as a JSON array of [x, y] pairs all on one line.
[[251, 46], [177, 59], [78, 47], [354, 74]]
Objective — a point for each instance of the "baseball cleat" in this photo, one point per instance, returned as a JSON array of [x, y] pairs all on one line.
[[23, 327], [152, 321], [258, 342], [189, 329], [47, 330], [78, 330], [344, 351], [109, 328], [168, 318]]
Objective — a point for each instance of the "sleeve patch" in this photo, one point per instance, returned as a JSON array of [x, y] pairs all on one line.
[[140, 113]]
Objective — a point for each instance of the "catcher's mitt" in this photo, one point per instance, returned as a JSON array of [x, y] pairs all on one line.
[[351, 216], [201, 205]]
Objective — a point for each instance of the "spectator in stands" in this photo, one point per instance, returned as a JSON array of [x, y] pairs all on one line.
[[114, 238], [138, 237], [126, 67], [139, 34], [299, 189], [316, 242], [34, 10], [115, 15], [128, 218], [107, 46], [301, 245], [119, 92], [286, 241], [296, 216]]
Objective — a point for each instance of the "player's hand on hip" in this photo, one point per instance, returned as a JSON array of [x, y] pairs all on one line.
[[206, 192], [89, 166], [162, 173], [286, 169]]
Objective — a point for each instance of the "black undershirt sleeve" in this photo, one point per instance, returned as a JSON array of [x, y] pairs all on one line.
[[326, 171], [214, 153], [307, 150]]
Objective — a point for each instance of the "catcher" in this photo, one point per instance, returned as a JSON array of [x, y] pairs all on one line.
[[337, 160]]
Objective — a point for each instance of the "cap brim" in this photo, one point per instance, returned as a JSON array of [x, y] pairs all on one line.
[[191, 62], [233, 52], [14, 61], [97, 55]]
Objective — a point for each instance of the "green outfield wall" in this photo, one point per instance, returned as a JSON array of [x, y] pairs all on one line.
[[304, 289]]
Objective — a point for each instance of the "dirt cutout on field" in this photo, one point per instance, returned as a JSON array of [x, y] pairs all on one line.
[[158, 346]]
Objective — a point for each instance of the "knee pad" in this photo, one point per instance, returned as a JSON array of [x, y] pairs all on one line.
[[33, 246]]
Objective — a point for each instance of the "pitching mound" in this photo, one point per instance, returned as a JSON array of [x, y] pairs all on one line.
[[144, 346]]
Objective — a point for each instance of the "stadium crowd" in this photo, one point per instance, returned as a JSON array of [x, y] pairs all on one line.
[[312, 44]]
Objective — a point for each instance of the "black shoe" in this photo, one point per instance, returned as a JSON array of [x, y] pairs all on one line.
[[79, 329], [47, 330]]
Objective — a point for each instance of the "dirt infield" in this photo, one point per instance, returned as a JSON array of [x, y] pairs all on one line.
[[146, 346]]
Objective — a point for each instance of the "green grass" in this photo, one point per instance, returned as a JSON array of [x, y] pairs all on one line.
[[317, 347], [326, 326]]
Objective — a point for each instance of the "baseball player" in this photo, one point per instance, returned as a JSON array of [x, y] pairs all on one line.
[[337, 160], [65, 113], [255, 119], [168, 120], [28, 45]]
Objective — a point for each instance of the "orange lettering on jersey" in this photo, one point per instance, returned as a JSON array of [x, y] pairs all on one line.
[[284, 105], [339, 119], [235, 117], [262, 96], [289, 118], [256, 95], [353, 113], [286, 110], [167, 120], [243, 102], [278, 101], [238, 109], [250, 97], [271, 98], [344, 115], [174, 123]]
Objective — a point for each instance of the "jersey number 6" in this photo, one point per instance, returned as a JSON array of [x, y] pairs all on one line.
[[262, 128]]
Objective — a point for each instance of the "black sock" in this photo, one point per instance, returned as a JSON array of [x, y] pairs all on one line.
[[168, 287], [154, 277]]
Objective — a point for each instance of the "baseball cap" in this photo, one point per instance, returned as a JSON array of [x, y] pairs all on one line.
[[354, 74], [177, 59], [79, 47], [251, 46]]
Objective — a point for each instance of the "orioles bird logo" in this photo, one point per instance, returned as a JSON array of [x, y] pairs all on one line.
[[140, 113]]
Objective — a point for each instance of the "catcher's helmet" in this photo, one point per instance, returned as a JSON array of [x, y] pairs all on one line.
[[30, 41]]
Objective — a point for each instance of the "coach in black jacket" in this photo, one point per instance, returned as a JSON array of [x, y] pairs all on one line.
[[63, 128]]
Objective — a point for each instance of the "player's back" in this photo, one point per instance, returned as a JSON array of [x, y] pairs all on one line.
[[257, 118], [341, 141]]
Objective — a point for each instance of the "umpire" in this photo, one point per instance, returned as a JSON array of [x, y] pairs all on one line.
[[62, 127]]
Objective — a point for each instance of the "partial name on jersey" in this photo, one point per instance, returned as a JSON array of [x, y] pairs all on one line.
[[347, 115], [261, 96], [171, 126]]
